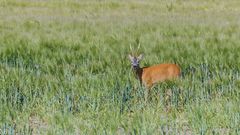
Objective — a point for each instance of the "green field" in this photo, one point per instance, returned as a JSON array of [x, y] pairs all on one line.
[[64, 67]]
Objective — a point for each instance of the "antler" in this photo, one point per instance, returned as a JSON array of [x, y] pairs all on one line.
[[131, 49], [138, 46]]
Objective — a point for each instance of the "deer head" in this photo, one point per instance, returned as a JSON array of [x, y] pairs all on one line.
[[134, 58]]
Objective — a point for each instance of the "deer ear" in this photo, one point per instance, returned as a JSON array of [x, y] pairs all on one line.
[[130, 57], [140, 57]]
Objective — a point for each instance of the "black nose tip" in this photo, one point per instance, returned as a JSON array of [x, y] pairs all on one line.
[[135, 66]]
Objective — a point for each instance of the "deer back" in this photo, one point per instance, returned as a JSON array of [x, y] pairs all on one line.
[[159, 73]]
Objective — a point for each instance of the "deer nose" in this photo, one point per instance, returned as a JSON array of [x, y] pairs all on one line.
[[135, 66]]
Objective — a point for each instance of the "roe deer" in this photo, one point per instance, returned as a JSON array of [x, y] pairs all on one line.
[[153, 74]]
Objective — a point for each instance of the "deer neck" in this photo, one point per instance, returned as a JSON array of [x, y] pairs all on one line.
[[138, 73]]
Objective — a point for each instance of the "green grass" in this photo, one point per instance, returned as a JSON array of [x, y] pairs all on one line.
[[64, 67]]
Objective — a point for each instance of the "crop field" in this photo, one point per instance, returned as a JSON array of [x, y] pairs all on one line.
[[64, 66]]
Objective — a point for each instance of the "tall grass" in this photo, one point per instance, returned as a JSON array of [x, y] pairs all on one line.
[[64, 67]]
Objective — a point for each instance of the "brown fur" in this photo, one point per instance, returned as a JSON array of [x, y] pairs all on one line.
[[149, 76]]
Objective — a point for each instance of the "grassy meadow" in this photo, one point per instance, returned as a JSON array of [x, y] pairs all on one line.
[[64, 67]]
